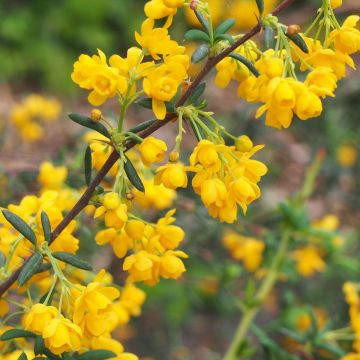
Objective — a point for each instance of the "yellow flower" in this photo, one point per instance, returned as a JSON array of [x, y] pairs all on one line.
[[107, 343], [243, 143], [213, 192], [93, 309], [335, 3], [308, 260], [52, 177], [132, 298], [115, 211], [158, 9], [170, 236], [285, 96], [99, 155], [171, 266], [270, 65], [135, 229], [346, 155], [244, 191], [246, 12], [321, 81], [4, 307], [156, 41], [61, 335], [206, 154], [38, 317], [155, 196], [152, 150], [142, 266], [247, 249], [93, 73], [347, 38], [161, 85], [172, 175], [131, 67]]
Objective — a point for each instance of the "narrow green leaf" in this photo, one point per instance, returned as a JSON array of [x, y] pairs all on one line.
[[72, 260], [269, 37], [299, 42], [196, 93], [293, 335], [224, 27], [246, 62], [16, 333], [145, 103], [2, 259], [88, 123], [45, 222], [30, 268], [43, 267], [133, 175], [44, 297], [170, 108], [23, 356], [20, 225], [142, 126], [96, 355], [39, 345], [260, 6], [87, 165], [333, 349], [203, 21], [99, 190], [227, 37], [200, 53], [197, 35]]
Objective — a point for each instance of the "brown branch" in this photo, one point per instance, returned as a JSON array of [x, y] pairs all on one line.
[[85, 198]]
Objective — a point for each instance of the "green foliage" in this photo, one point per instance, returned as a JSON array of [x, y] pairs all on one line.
[[40, 39]]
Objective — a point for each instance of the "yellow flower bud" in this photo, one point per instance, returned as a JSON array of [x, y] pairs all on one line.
[[172, 176], [135, 229], [111, 201], [243, 143], [96, 115], [335, 3], [152, 150], [174, 156]]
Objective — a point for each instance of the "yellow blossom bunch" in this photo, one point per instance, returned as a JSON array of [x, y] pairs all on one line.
[[153, 247], [273, 80], [28, 115]]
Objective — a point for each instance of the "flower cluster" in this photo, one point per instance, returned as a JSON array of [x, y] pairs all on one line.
[[28, 114], [93, 312], [153, 246], [276, 84], [161, 80]]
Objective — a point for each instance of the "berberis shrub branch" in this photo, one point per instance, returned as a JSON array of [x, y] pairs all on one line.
[[53, 306]]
